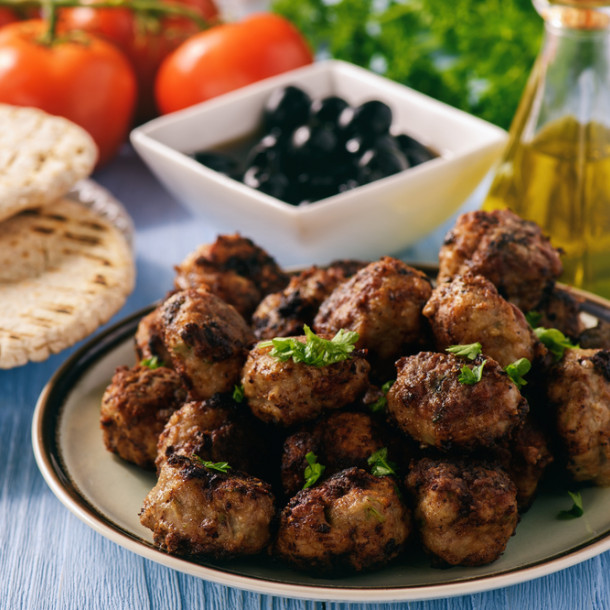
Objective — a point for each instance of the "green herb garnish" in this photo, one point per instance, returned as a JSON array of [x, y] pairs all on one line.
[[379, 463], [470, 376], [515, 370], [576, 510], [554, 340], [533, 318], [381, 403], [219, 466], [469, 350], [315, 350], [238, 393], [152, 363], [313, 471]]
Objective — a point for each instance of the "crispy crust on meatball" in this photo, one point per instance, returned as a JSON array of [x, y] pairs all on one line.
[[429, 402], [135, 406], [149, 338], [235, 269], [193, 510], [289, 393], [510, 252], [351, 522], [469, 309], [464, 512], [208, 341], [579, 390]]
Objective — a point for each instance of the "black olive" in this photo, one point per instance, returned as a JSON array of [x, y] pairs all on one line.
[[376, 164], [219, 162], [266, 153], [414, 151], [368, 121], [314, 146], [286, 108], [326, 111]]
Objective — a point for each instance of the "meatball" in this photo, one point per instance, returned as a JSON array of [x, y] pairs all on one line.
[[194, 510], [149, 338], [289, 393], [579, 391], [510, 252], [208, 341], [135, 406], [351, 522], [383, 303], [235, 269], [340, 440], [430, 403], [464, 512], [560, 308], [283, 314], [218, 430], [469, 309]]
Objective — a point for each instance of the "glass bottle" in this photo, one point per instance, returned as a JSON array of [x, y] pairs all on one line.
[[556, 167]]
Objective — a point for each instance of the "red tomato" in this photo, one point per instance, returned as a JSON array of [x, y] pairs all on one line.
[[228, 56], [86, 80], [145, 38]]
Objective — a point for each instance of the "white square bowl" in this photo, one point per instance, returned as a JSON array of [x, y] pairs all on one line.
[[382, 217]]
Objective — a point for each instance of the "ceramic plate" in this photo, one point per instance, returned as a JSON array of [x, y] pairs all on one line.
[[107, 493]]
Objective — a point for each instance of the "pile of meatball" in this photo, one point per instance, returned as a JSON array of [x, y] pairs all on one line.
[[232, 431]]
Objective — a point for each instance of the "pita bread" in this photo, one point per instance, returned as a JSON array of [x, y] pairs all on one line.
[[65, 271], [41, 157]]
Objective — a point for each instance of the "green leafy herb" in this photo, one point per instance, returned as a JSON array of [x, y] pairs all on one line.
[[381, 403], [469, 350], [315, 350], [555, 341], [373, 512], [470, 376], [238, 393], [517, 369], [533, 318], [152, 363], [576, 510], [379, 463], [219, 466], [313, 470]]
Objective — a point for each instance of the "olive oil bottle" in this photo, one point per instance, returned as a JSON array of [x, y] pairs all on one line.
[[556, 168]]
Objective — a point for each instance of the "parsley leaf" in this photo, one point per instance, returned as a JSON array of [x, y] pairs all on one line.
[[555, 341], [470, 376], [533, 318], [517, 369], [219, 466], [381, 403], [379, 463], [468, 350], [238, 393], [576, 510], [315, 350], [313, 471], [152, 363]]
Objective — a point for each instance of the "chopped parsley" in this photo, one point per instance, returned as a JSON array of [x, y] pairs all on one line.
[[469, 350], [379, 463], [576, 510], [315, 350], [381, 403], [219, 466], [533, 318], [238, 393], [554, 340], [470, 376], [152, 363], [313, 470], [515, 370]]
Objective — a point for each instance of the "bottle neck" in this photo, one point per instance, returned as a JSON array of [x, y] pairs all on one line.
[[584, 15]]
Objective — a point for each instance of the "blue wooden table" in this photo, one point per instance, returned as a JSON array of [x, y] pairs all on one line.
[[50, 559]]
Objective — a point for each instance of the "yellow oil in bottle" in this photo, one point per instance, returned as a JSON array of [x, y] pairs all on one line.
[[561, 180]]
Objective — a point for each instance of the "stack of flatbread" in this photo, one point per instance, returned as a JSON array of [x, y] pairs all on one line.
[[64, 269]]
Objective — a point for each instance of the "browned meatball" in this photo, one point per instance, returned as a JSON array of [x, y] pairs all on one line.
[[465, 512], [560, 308], [194, 510], [149, 338], [430, 404], [234, 268], [525, 456], [339, 440], [383, 303], [351, 522], [207, 339], [510, 252], [579, 390], [469, 309], [217, 430], [135, 406], [289, 393], [596, 337], [283, 314]]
